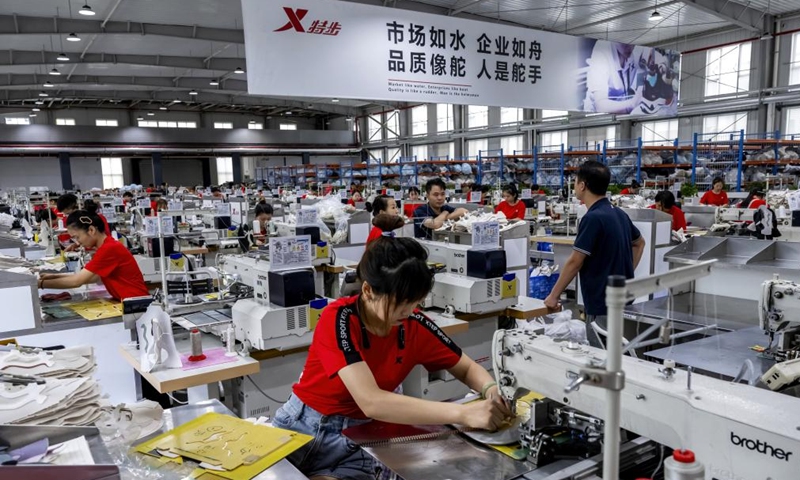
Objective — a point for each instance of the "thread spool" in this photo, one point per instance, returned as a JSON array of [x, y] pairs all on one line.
[[230, 342], [256, 227], [197, 346]]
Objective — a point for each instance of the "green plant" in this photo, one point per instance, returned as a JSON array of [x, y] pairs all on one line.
[[614, 189], [688, 190]]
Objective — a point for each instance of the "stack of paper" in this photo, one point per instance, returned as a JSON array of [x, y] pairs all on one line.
[[225, 446], [68, 363], [72, 401]]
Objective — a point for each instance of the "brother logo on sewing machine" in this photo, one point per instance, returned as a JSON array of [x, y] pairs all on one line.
[[760, 447]]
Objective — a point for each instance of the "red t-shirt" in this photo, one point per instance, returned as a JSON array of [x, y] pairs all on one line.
[[105, 222], [118, 270], [678, 218], [374, 234], [338, 342], [717, 200], [757, 203], [517, 211]]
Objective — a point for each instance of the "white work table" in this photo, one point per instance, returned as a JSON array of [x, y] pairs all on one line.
[[169, 380]]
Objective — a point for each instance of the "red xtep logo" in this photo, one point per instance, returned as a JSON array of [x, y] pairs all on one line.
[[318, 27]]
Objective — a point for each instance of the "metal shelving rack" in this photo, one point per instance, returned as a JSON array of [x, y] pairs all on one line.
[[548, 164], [409, 171], [724, 152], [489, 162]]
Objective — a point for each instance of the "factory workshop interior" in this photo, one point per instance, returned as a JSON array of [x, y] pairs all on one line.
[[400, 239]]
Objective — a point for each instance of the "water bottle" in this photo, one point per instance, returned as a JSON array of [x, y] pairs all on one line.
[[683, 466]]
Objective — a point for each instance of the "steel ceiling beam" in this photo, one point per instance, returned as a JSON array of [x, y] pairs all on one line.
[[649, 8], [188, 83], [464, 7], [21, 25], [742, 16]]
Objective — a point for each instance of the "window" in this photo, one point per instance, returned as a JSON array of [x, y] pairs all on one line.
[[374, 129], [794, 62], [112, 172], [552, 141], [225, 125], [477, 117], [510, 115], [660, 133], [444, 118], [474, 147], [420, 151], [554, 114], [17, 121], [441, 150], [393, 155], [393, 125], [148, 123], [106, 122], [375, 154], [224, 170], [511, 144], [65, 121], [167, 124], [419, 120], [728, 123], [288, 126], [793, 122], [186, 124], [728, 70], [596, 136], [255, 126]]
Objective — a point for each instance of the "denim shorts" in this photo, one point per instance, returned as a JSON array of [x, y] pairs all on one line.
[[330, 453]]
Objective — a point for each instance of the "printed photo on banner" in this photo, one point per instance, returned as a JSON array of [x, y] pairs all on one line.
[[621, 78]]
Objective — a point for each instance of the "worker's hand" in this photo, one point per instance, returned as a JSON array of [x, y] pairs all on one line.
[[485, 414], [71, 247], [493, 394], [552, 303], [458, 213], [45, 276]]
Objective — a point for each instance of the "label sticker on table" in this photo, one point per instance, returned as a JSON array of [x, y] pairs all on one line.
[[167, 225], [525, 194], [175, 205], [398, 195], [143, 203], [307, 216], [290, 252], [222, 209], [117, 202], [475, 197], [485, 235], [110, 213], [389, 192], [151, 226], [343, 194]]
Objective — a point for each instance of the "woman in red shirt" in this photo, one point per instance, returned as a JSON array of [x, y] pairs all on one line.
[[386, 216], [715, 197], [363, 348], [413, 202], [112, 263], [757, 201], [511, 206], [665, 201], [355, 198]]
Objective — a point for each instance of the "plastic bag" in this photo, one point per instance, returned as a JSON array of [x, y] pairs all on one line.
[[542, 280], [559, 326]]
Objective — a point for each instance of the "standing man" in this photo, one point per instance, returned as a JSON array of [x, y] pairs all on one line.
[[433, 214], [607, 244]]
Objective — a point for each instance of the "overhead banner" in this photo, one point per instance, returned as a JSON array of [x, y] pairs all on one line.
[[338, 49]]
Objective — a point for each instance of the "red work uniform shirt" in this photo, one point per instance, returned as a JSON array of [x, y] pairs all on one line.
[[517, 211], [757, 203], [341, 340], [717, 200], [678, 218], [374, 234], [118, 270]]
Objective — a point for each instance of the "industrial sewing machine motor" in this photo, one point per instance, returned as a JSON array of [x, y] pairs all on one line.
[[779, 317]]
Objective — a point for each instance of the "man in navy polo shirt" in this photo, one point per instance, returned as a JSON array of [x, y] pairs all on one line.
[[607, 244], [433, 214]]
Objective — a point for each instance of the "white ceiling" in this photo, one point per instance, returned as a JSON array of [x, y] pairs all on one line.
[[131, 79]]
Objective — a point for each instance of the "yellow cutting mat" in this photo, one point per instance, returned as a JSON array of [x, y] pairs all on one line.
[[96, 309], [242, 448]]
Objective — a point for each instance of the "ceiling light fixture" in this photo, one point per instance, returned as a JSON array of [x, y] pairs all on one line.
[[150, 114], [32, 115], [39, 102], [335, 100], [73, 38], [288, 113], [47, 84], [55, 72], [238, 70], [86, 10], [162, 108], [655, 16], [252, 122], [214, 82], [62, 57], [44, 94], [193, 92], [36, 110], [140, 118]]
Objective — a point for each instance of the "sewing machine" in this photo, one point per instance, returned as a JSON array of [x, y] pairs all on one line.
[[779, 317], [732, 428], [472, 280]]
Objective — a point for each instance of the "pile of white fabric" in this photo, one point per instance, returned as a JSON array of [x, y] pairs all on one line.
[[464, 224], [69, 396]]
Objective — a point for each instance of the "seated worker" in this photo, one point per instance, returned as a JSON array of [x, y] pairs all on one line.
[[263, 214], [715, 197], [410, 205], [632, 190], [511, 206], [112, 263], [665, 201], [127, 198], [363, 348], [536, 189], [216, 193], [68, 203], [433, 214], [384, 210], [756, 200], [357, 197]]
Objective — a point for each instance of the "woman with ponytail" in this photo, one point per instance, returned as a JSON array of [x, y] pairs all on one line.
[[385, 216], [364, 346], [111, 264]]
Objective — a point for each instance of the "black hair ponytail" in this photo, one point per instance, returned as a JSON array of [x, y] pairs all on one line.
[[83, 219], [91, 206]]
